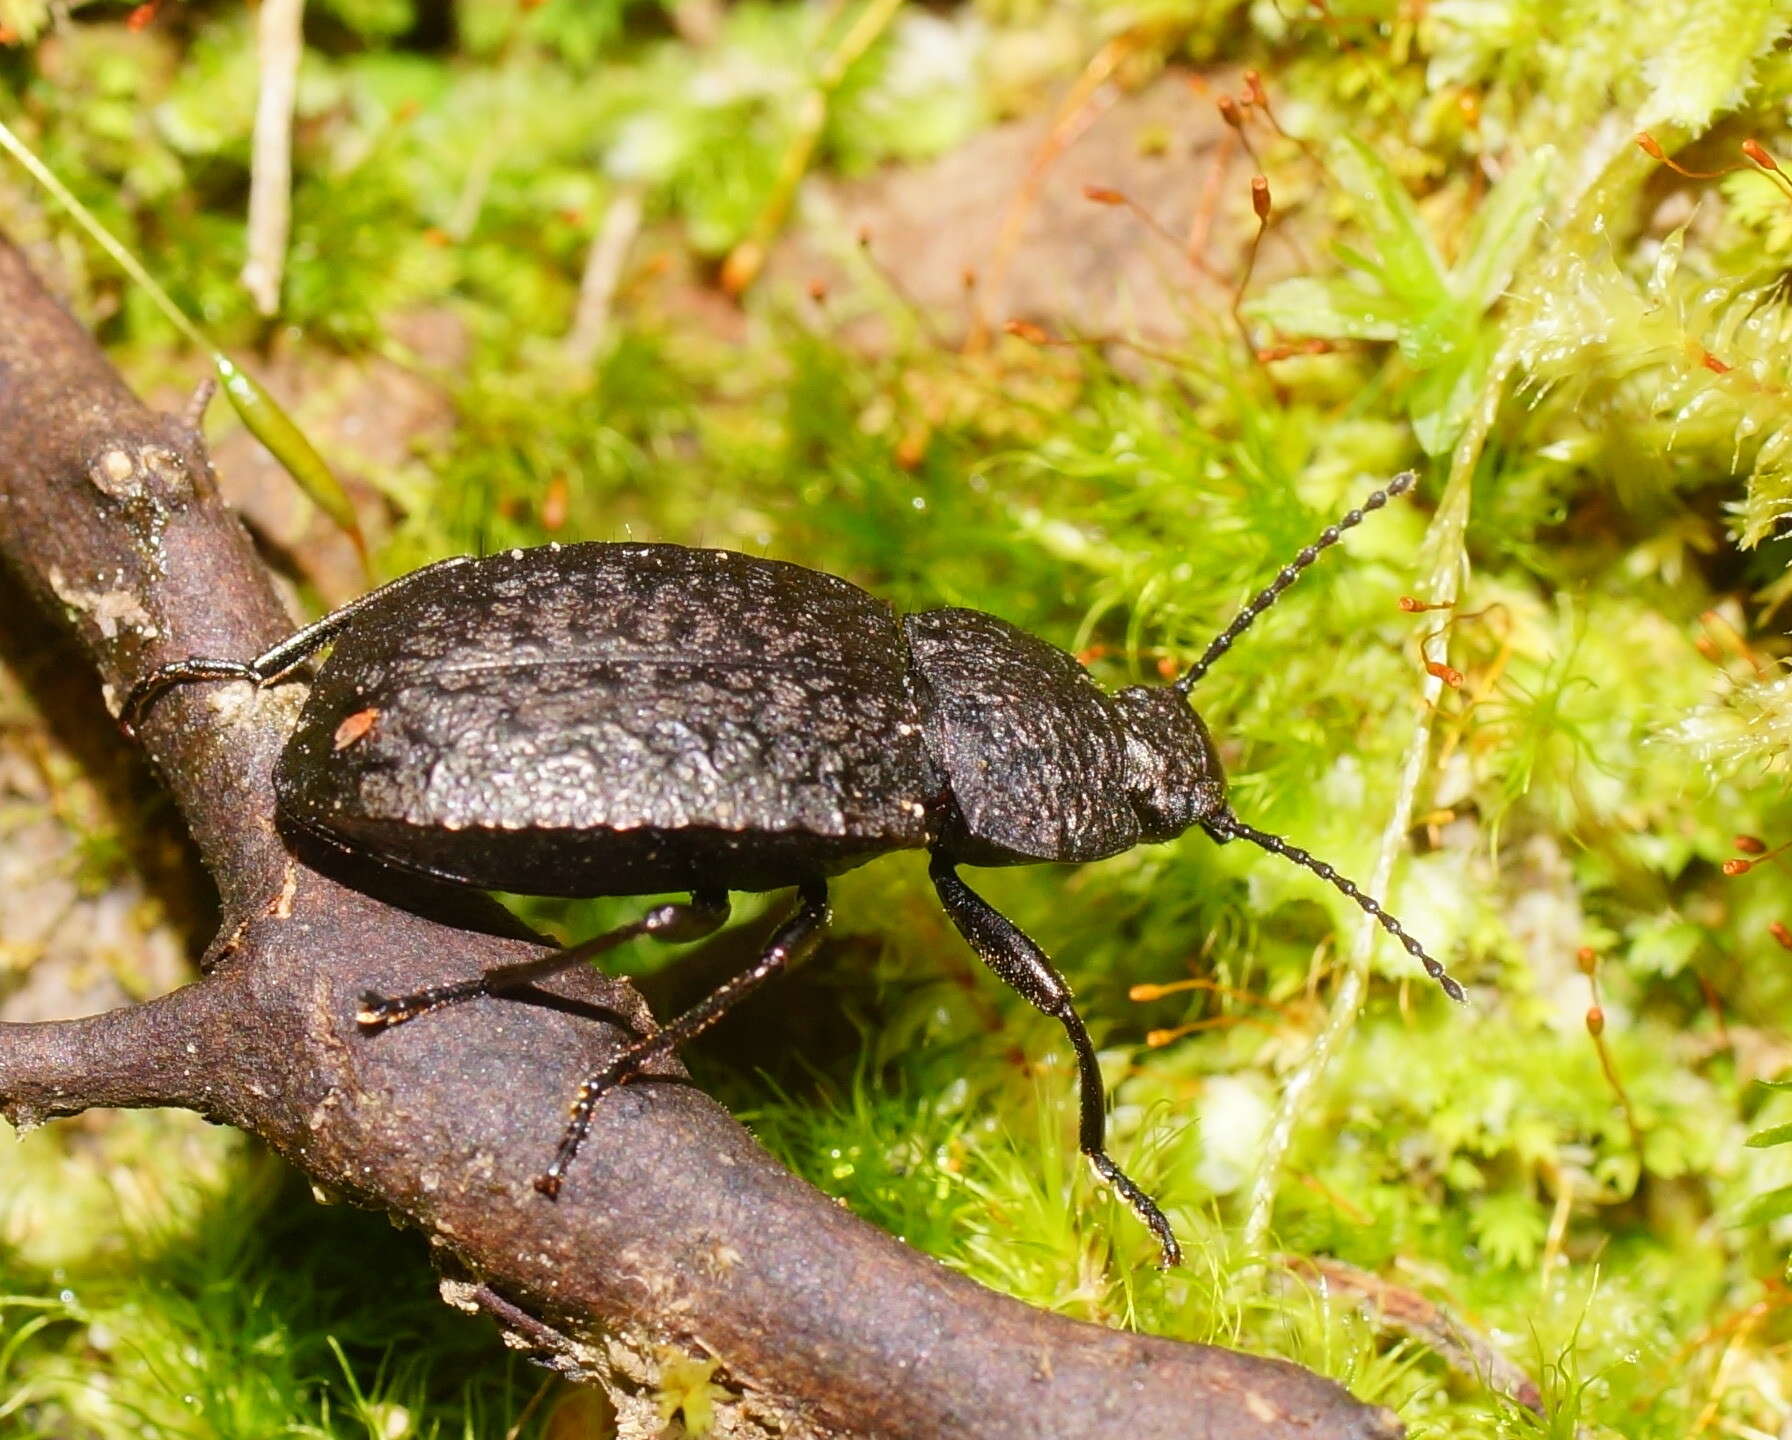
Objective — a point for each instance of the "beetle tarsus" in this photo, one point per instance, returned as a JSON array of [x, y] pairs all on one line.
[[179, 672], [375, 1014], [378, 1013], [1142, 1205]]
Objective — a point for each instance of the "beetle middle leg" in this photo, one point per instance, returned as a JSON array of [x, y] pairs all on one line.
[[673, 924], [1017, 960], [795, 938]]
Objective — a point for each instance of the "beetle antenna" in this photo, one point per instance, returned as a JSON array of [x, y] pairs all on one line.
[[1227, 826], [1290, 572]]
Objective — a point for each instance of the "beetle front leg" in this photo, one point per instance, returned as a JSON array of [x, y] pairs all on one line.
[[673, 924], [795, 938], [1020, 963]]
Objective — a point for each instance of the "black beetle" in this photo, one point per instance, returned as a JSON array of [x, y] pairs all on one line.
[[617, 719]]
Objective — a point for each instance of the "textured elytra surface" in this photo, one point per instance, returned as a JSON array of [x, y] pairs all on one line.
[[1033, 751], [616, 719]]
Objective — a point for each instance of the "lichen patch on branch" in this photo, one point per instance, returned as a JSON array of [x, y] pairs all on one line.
[[112, 610]]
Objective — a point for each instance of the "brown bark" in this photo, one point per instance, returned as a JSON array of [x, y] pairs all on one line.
[[674, 1227]]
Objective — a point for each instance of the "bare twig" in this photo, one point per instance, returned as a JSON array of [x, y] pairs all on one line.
[[1080, 108], [603, 271], [1398, 1307], [281, 43], [677, 1235], [747, 258]]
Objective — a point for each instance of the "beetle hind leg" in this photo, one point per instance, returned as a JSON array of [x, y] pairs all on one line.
[[673, 924], [269, 666], [794, 939], [1019, 962], [178, 672]]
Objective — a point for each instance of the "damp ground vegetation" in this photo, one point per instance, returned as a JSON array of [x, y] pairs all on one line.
[[975, 304]]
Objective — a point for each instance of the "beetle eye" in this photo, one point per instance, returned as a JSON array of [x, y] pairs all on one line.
[[1164, 814]]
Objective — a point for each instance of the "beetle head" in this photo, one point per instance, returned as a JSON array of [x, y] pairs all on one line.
[[1173, 773]]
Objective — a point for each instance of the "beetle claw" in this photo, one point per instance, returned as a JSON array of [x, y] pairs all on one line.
[[375, 1013]]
